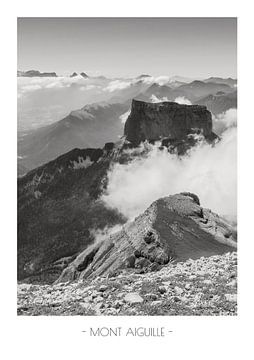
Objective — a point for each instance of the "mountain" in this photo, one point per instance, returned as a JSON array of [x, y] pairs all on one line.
[[91, 126], [191, 91], [229, 81], [35, 73], [73, 74], [142, 76], [129, 92], [174, 228], [84, 75], [182, 79], [160, 91], [219, 103], [168, 121], [59, 206], [197, 89]]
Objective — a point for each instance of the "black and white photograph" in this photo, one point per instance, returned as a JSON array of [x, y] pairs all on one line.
[[127, 166]]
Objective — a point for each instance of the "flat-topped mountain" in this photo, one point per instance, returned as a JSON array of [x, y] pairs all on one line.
[[35, 73], [154, 121], [172, 228]]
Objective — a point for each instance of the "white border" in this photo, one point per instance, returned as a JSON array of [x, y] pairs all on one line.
[[61, 338]]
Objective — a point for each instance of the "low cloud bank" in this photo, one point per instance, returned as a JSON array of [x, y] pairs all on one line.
[[155, 99], [124, 116], [101, 234], [209, 172], [182, 100], [117, 85], [28, 85], [179, 99], [224, 121]]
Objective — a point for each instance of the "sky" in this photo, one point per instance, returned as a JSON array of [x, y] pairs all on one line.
[[122, 47]]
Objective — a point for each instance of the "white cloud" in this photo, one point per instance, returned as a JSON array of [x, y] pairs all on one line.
[[155, 99], [209, 172], [224, 121], [161, 80], [182, 100], [28, 85], [117, 85], [124, 116], [101, 234]]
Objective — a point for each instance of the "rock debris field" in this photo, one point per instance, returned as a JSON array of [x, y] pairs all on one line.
[[207, 286]]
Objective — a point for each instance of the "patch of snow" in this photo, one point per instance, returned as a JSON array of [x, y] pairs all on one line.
[[82, 163]]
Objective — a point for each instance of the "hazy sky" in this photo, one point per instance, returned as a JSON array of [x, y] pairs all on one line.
[[195, 47]]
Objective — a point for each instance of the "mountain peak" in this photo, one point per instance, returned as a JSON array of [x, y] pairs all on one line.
[[73, 74], [84, 75], [151, 240], [143, 76]]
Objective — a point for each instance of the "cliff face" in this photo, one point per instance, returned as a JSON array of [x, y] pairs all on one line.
[[172, 228], [154, 121]]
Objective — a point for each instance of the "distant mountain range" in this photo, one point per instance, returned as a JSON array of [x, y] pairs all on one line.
[[36, 73], [91, 126], [218, 80], [219, 102], [95, 124], [192, 91]]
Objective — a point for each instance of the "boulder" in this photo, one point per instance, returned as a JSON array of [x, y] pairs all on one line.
[[133, 298]]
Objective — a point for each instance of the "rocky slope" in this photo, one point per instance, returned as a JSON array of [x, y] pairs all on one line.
[[58, 205], [174, 228], [206, 286]]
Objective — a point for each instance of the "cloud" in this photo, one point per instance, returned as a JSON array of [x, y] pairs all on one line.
[[89, 87], [161, 80], [117, 85], [27, 85], [224, 121], [101, 234], [182, 100], [155, 99], [124, 116], [179, 99], [209, 172]]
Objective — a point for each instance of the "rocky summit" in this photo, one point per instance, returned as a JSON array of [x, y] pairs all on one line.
[[206, 286], [167, 120], [175, 228]]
